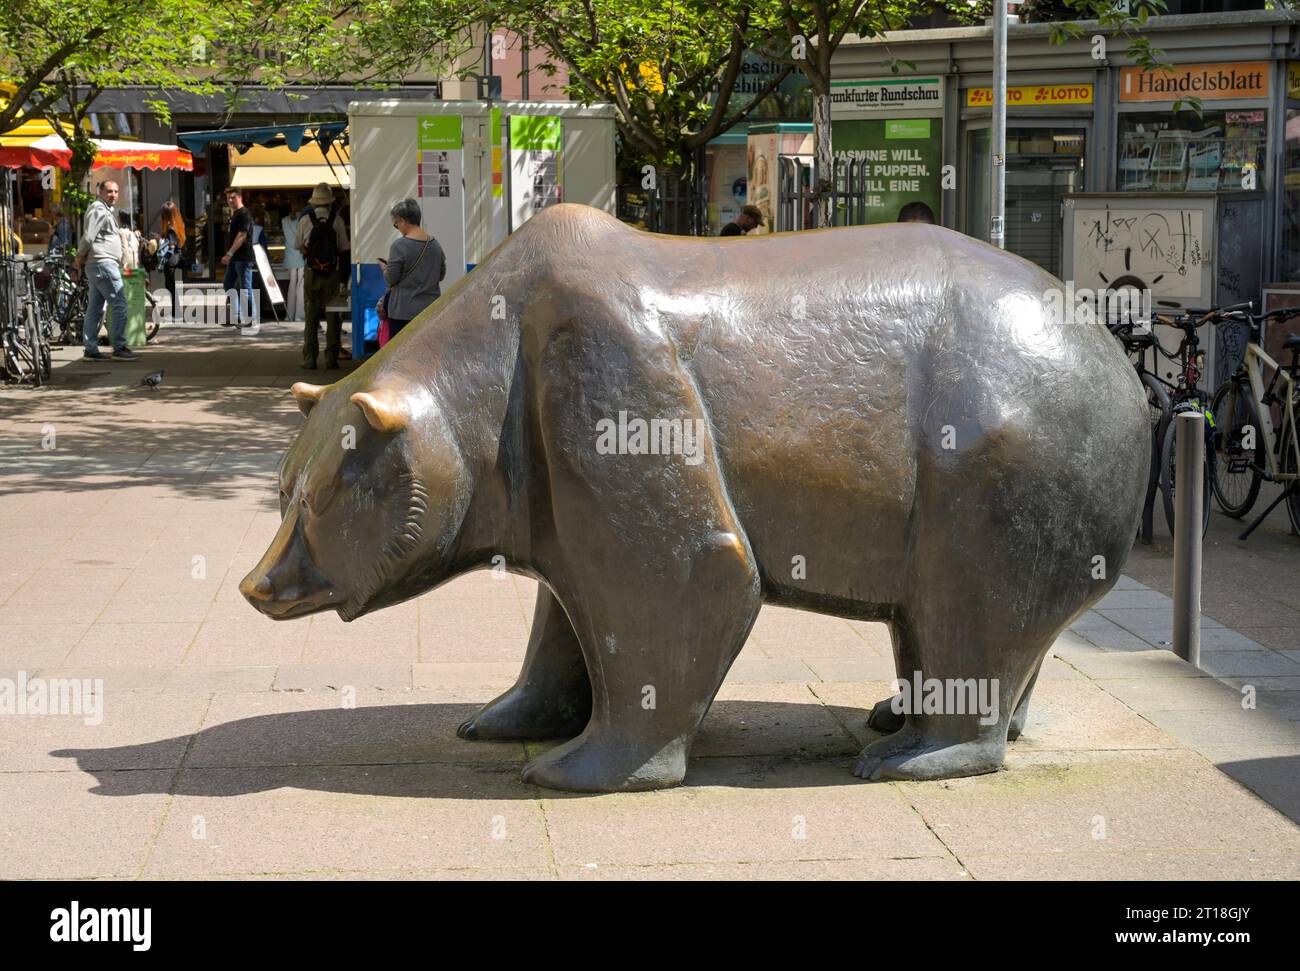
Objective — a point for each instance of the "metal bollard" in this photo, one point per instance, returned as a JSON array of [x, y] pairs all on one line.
[[1188, 499]]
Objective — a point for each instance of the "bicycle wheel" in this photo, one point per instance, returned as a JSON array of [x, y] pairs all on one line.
[[1168, 477], [42, 363], [1236, 475], [1288, 463]]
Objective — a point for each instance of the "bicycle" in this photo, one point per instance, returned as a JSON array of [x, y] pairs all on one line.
[[26, 326], [1248, 450], [1139, 343], [72, 300], [1188, 396], [70, 295]]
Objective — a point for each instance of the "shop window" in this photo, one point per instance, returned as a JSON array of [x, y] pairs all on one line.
[[1186, 152], [1042, 165], [1291, 199]]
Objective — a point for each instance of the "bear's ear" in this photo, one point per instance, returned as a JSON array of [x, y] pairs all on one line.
[[386, 411], [307, 395]]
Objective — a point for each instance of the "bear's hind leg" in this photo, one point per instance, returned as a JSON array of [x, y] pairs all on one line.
[[1021, 714], [552, 698], [886, 717], [959, 702]]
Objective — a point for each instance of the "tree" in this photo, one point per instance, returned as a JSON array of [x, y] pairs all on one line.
[[60, 55], [806, 34], [668, 66]]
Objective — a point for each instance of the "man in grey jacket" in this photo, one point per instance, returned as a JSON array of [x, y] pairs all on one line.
[[100, 254]]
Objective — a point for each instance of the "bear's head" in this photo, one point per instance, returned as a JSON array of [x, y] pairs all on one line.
[[373, 493]]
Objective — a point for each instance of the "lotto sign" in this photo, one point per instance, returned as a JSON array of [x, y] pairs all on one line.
[[1029, 95]]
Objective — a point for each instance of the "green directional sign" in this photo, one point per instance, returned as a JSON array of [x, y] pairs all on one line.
[[535, 133], [439, 133]]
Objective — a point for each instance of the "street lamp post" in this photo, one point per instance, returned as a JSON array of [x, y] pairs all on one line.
[[998, 141]]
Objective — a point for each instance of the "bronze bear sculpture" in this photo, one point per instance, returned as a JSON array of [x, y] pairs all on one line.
[[889, 423]]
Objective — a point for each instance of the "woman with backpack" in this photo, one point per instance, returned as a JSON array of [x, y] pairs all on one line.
[[171, 248], [413, 270]]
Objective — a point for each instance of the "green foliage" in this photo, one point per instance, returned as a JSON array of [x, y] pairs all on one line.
[[56, 56], [669, 66]]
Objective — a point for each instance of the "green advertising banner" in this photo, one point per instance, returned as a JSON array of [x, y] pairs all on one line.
[[535, 133], [904, 160], [439, 133]]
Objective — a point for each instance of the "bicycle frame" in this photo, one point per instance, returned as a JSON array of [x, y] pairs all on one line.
[[1255, 361]]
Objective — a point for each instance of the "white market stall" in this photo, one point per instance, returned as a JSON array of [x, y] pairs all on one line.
[[478, 169]]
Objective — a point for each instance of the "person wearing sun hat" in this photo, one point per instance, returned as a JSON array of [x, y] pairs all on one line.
[[321, 280]]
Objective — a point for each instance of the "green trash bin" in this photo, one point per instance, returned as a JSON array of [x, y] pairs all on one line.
[[134, 282]]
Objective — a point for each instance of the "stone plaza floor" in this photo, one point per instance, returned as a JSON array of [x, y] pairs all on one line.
[[235, 746]]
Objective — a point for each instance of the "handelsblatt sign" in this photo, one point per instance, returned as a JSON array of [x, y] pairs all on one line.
[[1208, 82], [861, 99], [1033, 94]]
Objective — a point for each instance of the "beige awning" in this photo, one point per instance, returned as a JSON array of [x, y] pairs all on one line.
[[289, 176]]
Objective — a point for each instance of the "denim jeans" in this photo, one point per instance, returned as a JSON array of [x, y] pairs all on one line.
[[239, 276], [104, 278]]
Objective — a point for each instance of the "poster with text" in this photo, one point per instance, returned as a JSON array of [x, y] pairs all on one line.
[[763, 179], [535, 142], [903, 159], [440, 188]]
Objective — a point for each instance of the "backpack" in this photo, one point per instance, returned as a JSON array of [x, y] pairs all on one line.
[[168, 255], [150, 260], [322, 246]]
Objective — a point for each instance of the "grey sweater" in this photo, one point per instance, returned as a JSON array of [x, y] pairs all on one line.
[[419, 278], [99, 235]]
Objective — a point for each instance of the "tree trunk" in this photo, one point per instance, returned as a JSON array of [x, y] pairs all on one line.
[[676, 201], [824, 170]]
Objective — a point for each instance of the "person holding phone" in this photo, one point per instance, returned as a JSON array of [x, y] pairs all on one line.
[[413, 271]]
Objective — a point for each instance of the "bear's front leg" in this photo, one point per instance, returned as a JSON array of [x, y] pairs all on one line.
[[552, 698], [657, 651], [643, 549]]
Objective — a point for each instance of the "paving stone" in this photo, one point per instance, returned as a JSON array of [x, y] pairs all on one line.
[[116, 731], [99, 830], [315, 728], [1207, 865], [1146, 695], [1100, 802], [865, 668], [37, 645], [357, 818], [763, 719], [296, 677], [493, 676], [1232, 733], [1079, 715], [1145, 621], [762, 670], [1247, 663], [1271, 777], [771, 810], [1137, 664], [134, 645], [925, 868]]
